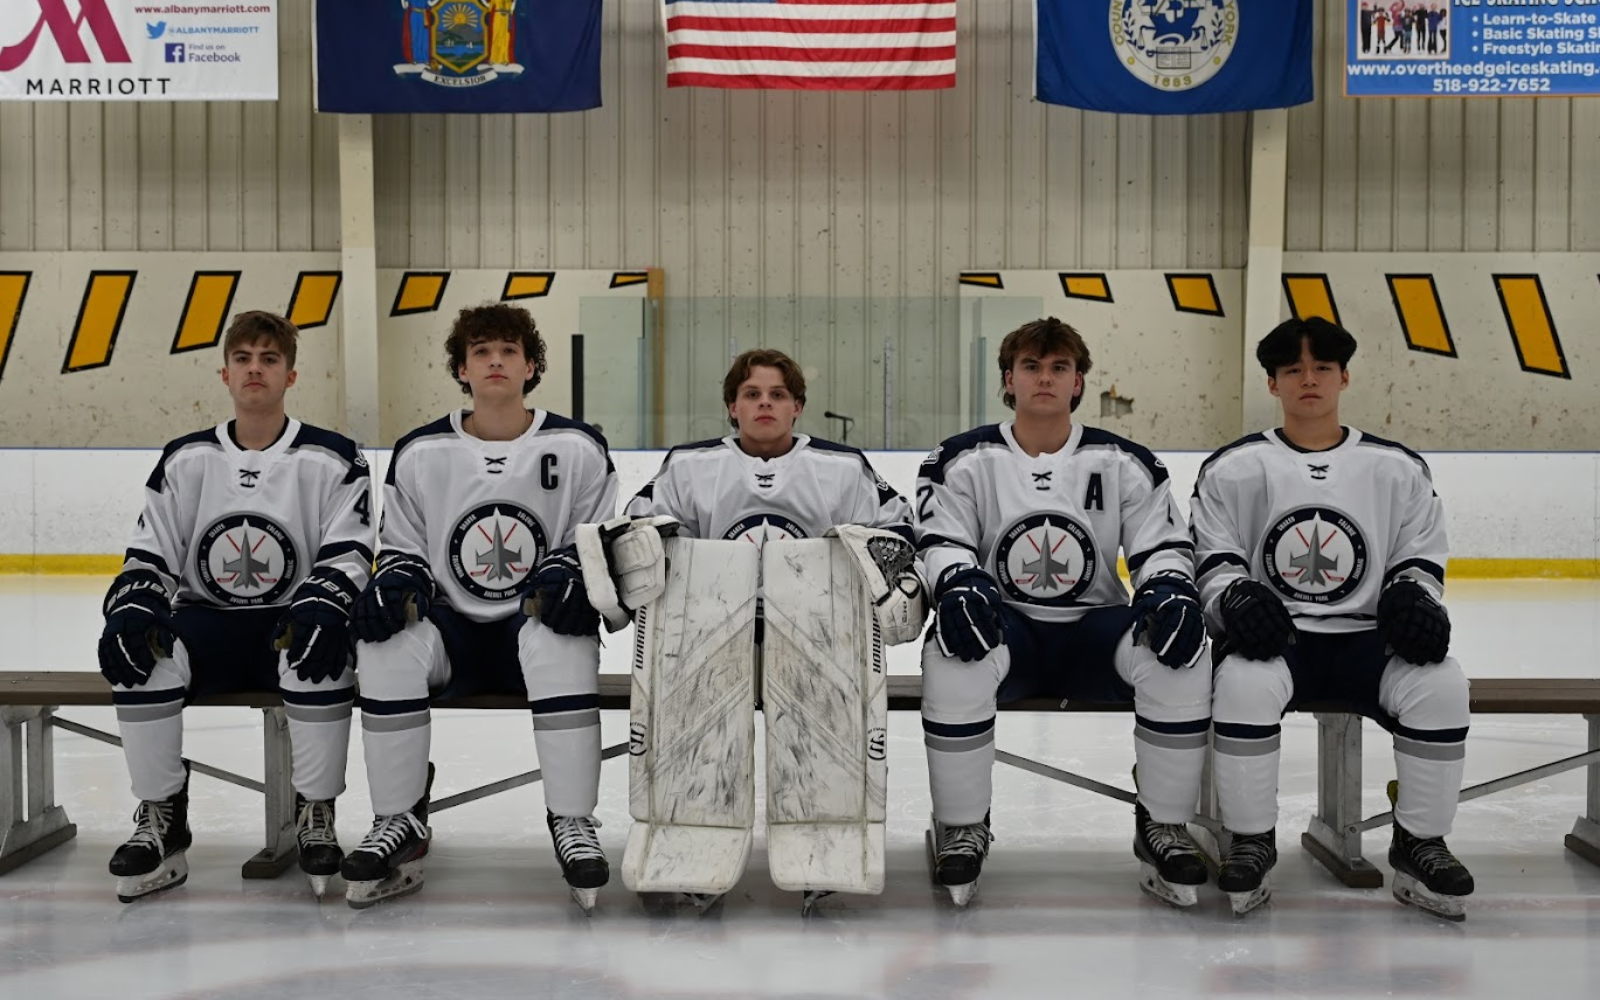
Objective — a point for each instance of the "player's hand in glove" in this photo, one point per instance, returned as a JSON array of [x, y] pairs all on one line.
[[1413, 623], [1167, 609], [400, 592], [316, 628], [557, 596], [1257, 624], [138, 628], [967, 623]]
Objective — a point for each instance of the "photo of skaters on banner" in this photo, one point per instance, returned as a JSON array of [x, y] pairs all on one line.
[[1403, 30]]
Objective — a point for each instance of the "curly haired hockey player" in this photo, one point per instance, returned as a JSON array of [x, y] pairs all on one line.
[[1018, 529], [1322, 553], [480, 510], [255, 539]]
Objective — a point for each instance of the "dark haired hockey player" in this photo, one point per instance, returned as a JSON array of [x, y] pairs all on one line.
[[1018, 529], [1322, 557], [480, 509], [255, 539]]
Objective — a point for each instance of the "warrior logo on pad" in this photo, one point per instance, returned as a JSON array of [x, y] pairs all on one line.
[[1315, 554], [1046, 559], [246, 560], [494, 548]]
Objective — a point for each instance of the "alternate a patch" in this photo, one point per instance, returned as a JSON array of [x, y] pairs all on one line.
[[1174, 44], [246, 560], [1046, 559], [1315, 554], [494, 549], [759, 528]]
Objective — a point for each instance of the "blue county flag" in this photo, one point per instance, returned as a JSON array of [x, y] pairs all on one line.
[[1173, 57], [468, 56]]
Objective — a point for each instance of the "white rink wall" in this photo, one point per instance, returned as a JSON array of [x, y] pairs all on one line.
[[1502, 506]]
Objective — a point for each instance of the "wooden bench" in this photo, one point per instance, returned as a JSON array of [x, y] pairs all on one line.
[[31, 822]]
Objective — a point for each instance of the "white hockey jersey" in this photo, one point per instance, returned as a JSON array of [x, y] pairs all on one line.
[[482, 514], [719, 492], [1326, 530], [1048, 528], [235, 528]]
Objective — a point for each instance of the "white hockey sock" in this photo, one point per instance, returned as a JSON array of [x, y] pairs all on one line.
[[319, 738], [1430, 786], [566, 734], [1245, 769], [960, 770], [1170, 764], [152, 742], [396, 747]]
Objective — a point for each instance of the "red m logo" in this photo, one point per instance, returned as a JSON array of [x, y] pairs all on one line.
[[53, 14]]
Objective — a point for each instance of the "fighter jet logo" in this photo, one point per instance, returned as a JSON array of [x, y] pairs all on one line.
[[494, 548], [246, 560], [1046, 559], [1315, 554]]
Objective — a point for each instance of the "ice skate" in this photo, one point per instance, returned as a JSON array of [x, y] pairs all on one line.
[[388, 862], [1428, 876], [320, 856], [955, 855], [1171, 867], [1245, 870], [583, 864], [153, 858]]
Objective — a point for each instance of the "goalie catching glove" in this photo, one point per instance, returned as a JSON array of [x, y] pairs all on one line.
[[884, 560], [624, 564]]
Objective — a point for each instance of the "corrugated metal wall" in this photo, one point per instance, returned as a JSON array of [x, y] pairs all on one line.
[[1440, 174], [189, 176]]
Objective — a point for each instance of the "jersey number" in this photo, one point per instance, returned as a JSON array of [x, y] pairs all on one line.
[[364, 508], [924, 500]]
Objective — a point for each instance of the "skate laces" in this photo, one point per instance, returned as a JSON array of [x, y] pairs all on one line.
[[1255, 852], [973, 839], [315, 824], [575, 838], [1169, 839], [389, 832], [1431, 854], [151, 821]]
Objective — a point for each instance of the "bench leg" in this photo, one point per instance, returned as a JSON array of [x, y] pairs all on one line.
[[280, 851], [1331, 839], [30, 821], [1584, 840]]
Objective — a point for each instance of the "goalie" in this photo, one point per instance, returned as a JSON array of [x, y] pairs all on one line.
[[808, 528]]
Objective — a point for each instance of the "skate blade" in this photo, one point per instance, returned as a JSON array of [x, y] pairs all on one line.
[[961, 895], [1244, 902], [585, 898], [1411, 892], [319, 885], [403, 882], [1182, 896], [173, 872]]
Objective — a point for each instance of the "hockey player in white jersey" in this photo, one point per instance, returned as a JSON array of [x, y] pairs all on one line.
[[1018, 529], [1322, 556], [255, 539], [767, 483], [480, 509]]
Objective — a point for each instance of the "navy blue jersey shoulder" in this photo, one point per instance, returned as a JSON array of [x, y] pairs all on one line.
[[1094, 436], [158, 476], [1386, 443], [1255, 438], [705, 445], [886, 492], [440, 426], [950, 448], [319, 437], [556, 422]]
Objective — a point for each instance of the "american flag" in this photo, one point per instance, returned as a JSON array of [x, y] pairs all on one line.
[[811, 44]]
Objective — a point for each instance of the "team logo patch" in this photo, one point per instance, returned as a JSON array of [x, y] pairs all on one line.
[[1046, 559], [1174, 44], [1316, 555], [494, 548], [760, 528], [246, 560]]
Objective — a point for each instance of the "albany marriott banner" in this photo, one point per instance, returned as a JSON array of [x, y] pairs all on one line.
[[138, 50]]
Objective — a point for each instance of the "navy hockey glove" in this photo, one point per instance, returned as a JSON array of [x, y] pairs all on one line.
[[1257, 624], [967, 623], [400, 592], [1167, 608], [558, 598], [1413, 623], [316, 629], [138, 628]]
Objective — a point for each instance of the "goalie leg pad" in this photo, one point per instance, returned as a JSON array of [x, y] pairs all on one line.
[[826, 704], [692, 723]]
